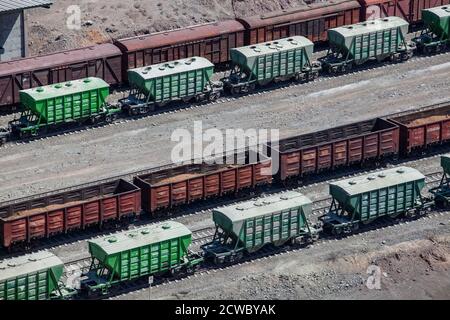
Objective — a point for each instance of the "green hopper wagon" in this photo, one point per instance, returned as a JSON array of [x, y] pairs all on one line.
[[436, 36], [363, 199], [146, 251], [247, 227], [442, 192], [355, 44], [262, 63], [77, 101], [32, 277], [156, 85]]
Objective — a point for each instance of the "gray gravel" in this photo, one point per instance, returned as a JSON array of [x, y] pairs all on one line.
[[413, 262], [71, 251], [108, 151]]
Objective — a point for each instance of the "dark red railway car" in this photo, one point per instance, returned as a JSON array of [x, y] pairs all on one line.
[[103, 61], [212, 41], [341, 146], [43, 216], [184, 184], [423, 128], [410, 10], [311, 21]]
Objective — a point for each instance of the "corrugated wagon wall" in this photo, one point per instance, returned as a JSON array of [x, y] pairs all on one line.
[[12, 35]]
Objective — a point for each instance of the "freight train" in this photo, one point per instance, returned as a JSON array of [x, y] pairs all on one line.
[[163, 190], [191, 80], [240, 231], [213, 41]]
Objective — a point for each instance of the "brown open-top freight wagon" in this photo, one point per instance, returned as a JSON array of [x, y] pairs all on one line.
[[341, 146], [184, 184], [423, 128], [101, 61], [43, 216]]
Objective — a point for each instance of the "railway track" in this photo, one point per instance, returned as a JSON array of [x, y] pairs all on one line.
[[271, 252], [76, 267], [205, 208], [177, 107]]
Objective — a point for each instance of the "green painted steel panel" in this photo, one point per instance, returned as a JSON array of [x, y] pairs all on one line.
[[438, 21], [369, 39], [268, 60], [384, 193], [30, 277], [173, 80], [67, 101], [143, 251], [445, 163], [267, 220]]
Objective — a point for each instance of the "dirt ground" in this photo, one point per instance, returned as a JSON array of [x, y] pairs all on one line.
[[136, 145], [103, 20]]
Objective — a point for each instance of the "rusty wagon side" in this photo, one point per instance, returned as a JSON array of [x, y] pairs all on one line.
[[183, 184], [346, 145], [311, 21], [212, 41]]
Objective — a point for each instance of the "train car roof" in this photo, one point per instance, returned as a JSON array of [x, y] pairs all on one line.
[[274, 46], [140, 237], [376, 181], [369, 26], [263, 206], [65, 88], [306, 12], [441, 12], [173, 67], [182, 35]]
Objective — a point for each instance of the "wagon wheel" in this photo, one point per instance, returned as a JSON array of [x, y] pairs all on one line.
[[24, 135], [368, 221], [298, 77], [235, 90], [266, 82], [186, 99], [133, 112], [395, 215], [214, 96], [337, 231], [410, 213], [251, 87], [111, 117], [313, 75], [219, 260], [442, 203], [279, 243], [350, 66], [162, 104], [239, 256], [189, 270]]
